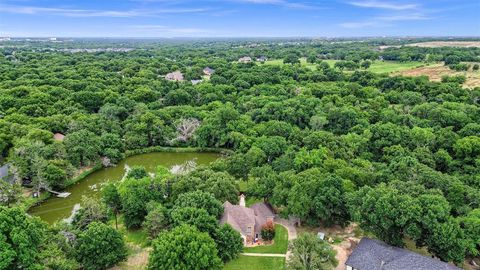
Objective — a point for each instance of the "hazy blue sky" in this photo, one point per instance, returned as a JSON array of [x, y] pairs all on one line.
[[238, 18]]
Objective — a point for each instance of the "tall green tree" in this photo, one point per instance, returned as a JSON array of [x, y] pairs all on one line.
[[185, 247]]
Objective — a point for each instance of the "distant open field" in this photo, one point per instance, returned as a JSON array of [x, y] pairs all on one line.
[[376, 67], [435, 44], [435, 73]]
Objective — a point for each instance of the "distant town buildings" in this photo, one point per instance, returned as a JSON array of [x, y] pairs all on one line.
[[174, 76]]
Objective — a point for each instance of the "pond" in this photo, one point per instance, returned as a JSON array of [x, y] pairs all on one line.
[[55, 209]]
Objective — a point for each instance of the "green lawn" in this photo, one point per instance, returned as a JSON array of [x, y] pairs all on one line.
[[391, 66], [280, 243], [256, 263]]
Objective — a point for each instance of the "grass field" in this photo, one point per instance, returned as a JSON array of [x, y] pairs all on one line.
[[256, 263], [280, 243], [390, 66], [376, 67]]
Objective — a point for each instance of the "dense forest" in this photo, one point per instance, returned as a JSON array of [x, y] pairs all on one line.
[[400, 156]]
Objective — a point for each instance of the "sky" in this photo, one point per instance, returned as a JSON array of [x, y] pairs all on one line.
[[238, 18]]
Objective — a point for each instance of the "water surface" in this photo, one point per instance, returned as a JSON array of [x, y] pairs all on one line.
[[55, 209]]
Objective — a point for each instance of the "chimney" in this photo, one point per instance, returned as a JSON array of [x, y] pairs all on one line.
[[242, 200]]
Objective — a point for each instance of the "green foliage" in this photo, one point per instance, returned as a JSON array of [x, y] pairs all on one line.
[[229, 243], [199, 218], [157, 219], [309, 252], [304, 136], [91, 210], [82, 147], [9, 193], [200, 200], [20, 239], [184, 248], [134, 196], [137, 172], [100, 247]]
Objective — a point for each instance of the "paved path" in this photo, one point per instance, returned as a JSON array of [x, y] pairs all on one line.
[[292, 231], [264, 255]]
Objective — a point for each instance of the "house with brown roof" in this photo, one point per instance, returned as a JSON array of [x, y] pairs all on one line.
[[248, 221], [174, 76], [58, 137]]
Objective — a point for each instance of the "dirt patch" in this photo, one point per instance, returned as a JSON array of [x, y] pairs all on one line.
[[137, 260], [436, 44]]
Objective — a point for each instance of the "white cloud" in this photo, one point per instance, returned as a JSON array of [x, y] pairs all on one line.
[[384, 20], [284, 3], [357, 24], [159, 29], [92, 13], [383, 5]]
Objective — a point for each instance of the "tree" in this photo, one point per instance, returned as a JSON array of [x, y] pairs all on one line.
[[447, 241], [54, 176], [311, 253], [134, 195], [20, 239], [91, 210], [291, 59], [137, 172], [82, 147], [330, 205], [471, 227], [185, 247], [268, 231], [9, 193], [100, 247], [111, 198], [157, 219], [392, 215], [196, 217], [366, 64], [200, 200], [229, 242]]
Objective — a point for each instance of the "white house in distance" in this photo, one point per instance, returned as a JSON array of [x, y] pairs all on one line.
[[245, 59], [248, 221]]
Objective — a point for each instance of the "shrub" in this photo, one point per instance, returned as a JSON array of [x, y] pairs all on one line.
[[268, 231]]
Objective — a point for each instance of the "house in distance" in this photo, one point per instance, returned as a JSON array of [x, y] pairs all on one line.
[[208, 71], [174, 76], [245, 59]]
